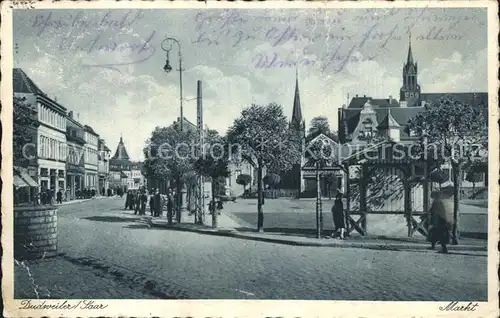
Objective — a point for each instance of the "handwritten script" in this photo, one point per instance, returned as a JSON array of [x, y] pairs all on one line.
[[344, 36], [98, 35], [65, 305]]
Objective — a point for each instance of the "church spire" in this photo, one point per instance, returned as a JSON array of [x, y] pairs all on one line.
[[409, 60], [297, 111], [121, 152]]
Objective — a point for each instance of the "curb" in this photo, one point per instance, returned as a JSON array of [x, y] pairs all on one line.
[[344, 244]]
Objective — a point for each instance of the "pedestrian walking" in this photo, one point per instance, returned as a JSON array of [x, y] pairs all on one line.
[[136, 202], [144, 201], [157, 204], [51, 196], [59, 196], [338, 217], [127, 200], [152, 202], [170, 208], [441, 218]]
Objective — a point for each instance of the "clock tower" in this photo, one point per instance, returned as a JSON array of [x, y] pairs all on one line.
[[410, 91]]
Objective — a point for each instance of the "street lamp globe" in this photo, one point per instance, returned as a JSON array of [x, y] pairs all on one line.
[[167, 68]]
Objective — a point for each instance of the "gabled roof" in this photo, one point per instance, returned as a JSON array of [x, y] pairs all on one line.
[[358, 102], [23, 84], [473, 99], [401, 115], [389, 121], [186, 125]]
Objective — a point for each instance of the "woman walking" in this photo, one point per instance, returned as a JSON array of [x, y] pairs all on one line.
[[441, 218], [338, 217]]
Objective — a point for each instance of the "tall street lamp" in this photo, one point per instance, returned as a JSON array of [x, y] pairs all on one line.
[[166, 46]]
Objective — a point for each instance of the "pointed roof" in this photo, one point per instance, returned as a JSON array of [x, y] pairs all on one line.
[[409, 59], [23, 84], [389, 121], [121, 152], [297, 112]]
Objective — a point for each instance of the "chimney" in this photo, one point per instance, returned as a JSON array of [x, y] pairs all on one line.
[[55, 99], [364, 95], [356, 95], [390, 99], [70, 114]]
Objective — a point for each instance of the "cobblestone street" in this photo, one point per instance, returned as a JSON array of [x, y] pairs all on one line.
[[100, 237]]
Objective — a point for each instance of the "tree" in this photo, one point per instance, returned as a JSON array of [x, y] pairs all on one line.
[[169, 155], [244, 180], [24, 126], [215, 166], [264, 140], [319, 125], [455, 130], [475, 172]]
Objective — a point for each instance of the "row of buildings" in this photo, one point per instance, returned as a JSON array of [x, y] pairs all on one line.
[[65, 154]]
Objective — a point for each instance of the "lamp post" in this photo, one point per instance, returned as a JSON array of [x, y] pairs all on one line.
[[167, 68]]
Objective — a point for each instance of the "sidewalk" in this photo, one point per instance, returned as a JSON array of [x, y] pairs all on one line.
[[230, 228], [83, 200]]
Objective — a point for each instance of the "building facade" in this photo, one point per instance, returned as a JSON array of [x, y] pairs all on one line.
[[50, 136], [104, 154], [75, 163], [91, 158]]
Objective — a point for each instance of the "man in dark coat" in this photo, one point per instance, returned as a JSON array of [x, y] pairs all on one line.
[[170, 208], [144, 201], [127, 200], [338, 216], [137, 202], [157, 204], [59, 196], [152, 202]]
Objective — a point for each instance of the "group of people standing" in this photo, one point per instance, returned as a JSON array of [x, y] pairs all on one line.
[[137, 201], [440, 224]]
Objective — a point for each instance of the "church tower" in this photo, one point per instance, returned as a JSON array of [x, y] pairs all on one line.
[[297, 123], [121, 152], [293, 179], [410, 92]]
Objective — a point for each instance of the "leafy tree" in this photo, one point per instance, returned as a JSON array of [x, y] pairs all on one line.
[[168, 155], [458, 132], [215, 166], [265, 141], [319, 125], [244, 180], [475, 172], [24, 125]]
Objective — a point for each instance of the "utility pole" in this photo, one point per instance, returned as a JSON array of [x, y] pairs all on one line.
[[319, 212], [200, 209]]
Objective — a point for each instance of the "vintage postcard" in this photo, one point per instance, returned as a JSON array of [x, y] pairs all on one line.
[[250, 159]]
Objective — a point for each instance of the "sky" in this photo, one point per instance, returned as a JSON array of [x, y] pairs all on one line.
[[107, 65]]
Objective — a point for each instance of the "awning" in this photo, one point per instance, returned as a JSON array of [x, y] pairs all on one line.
[[26, 177], [19, 182]]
